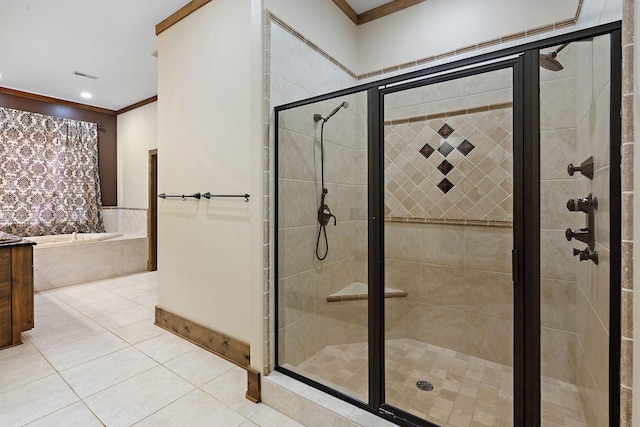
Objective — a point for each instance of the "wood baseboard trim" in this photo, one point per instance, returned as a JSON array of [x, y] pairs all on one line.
[[253, 386], [225, 346]]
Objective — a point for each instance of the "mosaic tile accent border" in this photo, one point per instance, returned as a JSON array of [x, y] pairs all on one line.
[[448, 114], [445, 221], [627, 214]]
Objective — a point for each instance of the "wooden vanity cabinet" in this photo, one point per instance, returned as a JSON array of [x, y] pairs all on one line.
[[16, 292]]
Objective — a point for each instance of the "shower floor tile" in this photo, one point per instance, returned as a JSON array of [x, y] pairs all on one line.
[[467, 390]]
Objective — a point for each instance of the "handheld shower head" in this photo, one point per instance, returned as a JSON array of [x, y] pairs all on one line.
[[345, 104], [318, 117]]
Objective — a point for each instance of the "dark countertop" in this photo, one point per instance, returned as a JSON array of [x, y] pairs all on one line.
[[9, 240]]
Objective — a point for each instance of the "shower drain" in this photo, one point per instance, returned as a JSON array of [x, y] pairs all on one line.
[[424, 385]]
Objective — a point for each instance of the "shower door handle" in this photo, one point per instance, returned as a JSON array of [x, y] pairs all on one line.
[[515, 271]]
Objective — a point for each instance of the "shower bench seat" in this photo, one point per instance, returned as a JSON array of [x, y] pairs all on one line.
[[359, 291]]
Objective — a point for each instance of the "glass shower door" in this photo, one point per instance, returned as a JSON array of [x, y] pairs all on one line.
[[322, 243], [448, 237]]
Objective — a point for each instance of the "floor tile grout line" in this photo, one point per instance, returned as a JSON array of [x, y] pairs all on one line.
[[59, 373], [66, 383], [102, 330]]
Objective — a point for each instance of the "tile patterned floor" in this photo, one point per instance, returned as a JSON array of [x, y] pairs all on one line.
[[468, 391], [95, 358]]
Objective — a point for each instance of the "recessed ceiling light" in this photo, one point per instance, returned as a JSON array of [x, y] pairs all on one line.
[[86, 95]]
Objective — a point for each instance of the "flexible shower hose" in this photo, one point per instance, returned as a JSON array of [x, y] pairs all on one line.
[[323, 224], [322, 230]]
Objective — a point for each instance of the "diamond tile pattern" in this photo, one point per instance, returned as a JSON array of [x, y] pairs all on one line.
[[465, 147], [445, 185], [427, 151], [480, 151], [445, 148], [445, 167], [445, 131]]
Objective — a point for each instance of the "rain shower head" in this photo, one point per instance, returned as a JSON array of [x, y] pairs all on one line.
[[318, 117], [548, 61]]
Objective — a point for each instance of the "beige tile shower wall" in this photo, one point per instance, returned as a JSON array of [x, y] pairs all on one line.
[[307, 322], [470, 92], [295, 72], [458, 280], [460, 294], [575, 295], [593, 281], [558, 288]]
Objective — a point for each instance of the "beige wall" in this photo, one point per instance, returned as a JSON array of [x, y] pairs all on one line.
[[441, 26], [209, 139], [137, 134]]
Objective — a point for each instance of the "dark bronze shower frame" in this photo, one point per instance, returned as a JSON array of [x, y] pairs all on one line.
[[526, 252]]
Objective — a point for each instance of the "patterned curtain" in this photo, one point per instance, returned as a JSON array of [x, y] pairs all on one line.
[[49, 180]]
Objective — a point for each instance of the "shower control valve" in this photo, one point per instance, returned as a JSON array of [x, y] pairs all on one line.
[[581, 234], [586, 255], [586, 168], [583, 205]]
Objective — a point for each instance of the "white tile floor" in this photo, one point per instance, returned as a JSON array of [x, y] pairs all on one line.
[[95, 358]]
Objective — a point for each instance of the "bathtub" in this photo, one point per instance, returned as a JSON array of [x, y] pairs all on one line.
[[71, 239], [69, 259]]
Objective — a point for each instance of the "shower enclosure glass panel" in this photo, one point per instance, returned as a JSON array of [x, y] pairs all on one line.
[[448, 236], [322, 243], [575, 90]]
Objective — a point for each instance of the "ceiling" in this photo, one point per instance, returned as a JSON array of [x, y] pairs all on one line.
[[45, 42]]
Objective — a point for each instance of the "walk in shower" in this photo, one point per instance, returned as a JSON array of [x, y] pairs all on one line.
[[474, 244]]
